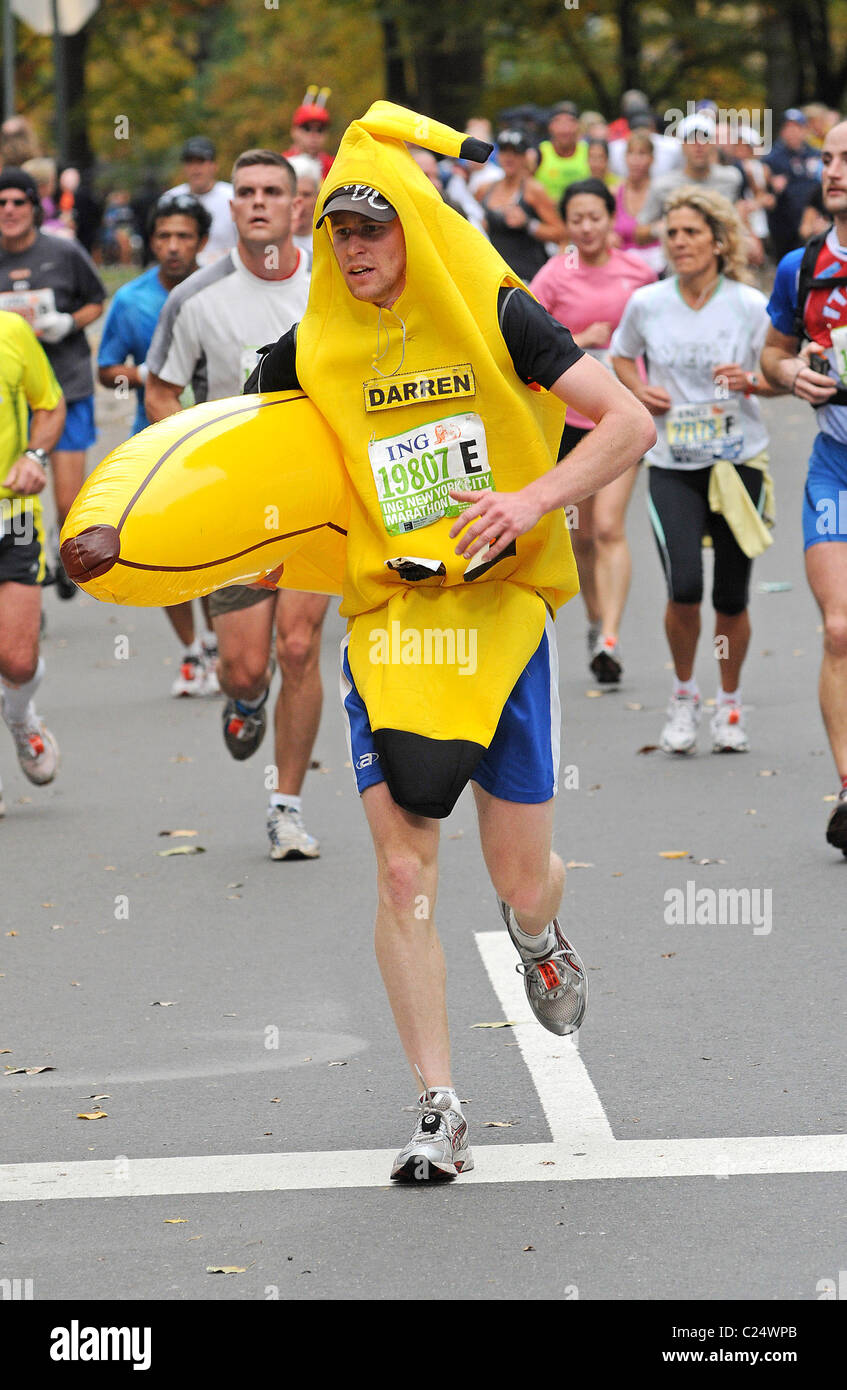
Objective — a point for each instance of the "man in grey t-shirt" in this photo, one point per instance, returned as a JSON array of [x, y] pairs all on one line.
[[52, 282], [700, 168]]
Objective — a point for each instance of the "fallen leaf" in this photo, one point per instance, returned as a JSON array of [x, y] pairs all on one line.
[[506, 1023], [235, 885], [109, 869], [710, 861], [578, 864], [314, 765], [528, 1247], [3, 1050], [184, 833], [336, 1064], [11, 933], [48, 904], [181, 849], [633, 705], [673, 853], [669, 954], [830, 798], [232, 897], [648, 748], [768, 772], [26, 1071], [162, 1003], [57, 926], [593, 694], [182, 758], [751, 813], [176, 1221], [93, 1115], [195, 1237], [102, 1096], [275, 1100], [500, 1124], [458, 835], [548, 1162], [226, 1269], [619, 875]]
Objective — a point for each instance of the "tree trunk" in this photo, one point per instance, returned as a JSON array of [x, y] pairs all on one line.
[[629, 41], [782, 76], [395, 63], [79, 147]]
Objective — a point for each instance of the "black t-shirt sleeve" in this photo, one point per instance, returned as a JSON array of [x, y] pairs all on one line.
[[276, 369], [540, 347]]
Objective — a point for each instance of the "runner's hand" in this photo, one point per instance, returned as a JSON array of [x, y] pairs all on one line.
[[52, 328], [731, 376], [26, 477], [805, 382], [656, 399], [596, 335], [495, 517]]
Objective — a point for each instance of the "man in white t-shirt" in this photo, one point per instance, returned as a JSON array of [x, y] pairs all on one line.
[[201, 179], [208, 336]]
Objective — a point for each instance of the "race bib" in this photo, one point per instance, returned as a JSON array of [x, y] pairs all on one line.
[[414, 472], [32, 305], [706, 431]]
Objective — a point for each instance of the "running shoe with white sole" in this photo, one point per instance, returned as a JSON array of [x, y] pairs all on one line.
[[438, 1150], [37, 749], [606, 661], [680, 732], [209, 651], [556, 983], [244, 728], [194, 678], [836, 826], [727, 729], [288, 835]]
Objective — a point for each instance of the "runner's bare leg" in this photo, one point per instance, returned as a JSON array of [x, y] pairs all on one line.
[[516, 845]]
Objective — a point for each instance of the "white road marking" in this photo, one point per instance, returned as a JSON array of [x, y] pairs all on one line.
[[294, 1172], [570, 1102], [583, 1148]]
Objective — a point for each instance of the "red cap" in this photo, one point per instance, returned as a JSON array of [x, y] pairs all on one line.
[[304, 114]]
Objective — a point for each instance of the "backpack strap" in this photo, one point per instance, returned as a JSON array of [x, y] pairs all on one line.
[[806, 282]]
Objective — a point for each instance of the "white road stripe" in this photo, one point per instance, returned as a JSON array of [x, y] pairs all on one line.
[[571, 1104], [292, 1172]]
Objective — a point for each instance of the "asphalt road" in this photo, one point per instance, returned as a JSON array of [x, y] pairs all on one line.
[[694, 1031]]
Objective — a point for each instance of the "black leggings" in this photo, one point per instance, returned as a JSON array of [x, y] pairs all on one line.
[[679, 511]]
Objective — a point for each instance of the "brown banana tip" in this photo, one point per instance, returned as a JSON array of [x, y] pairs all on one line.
[[92, 553]]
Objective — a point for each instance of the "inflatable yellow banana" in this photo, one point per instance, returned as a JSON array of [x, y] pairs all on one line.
[[231, 492]]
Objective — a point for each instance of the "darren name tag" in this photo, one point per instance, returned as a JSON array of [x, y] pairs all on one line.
[[442, 383]]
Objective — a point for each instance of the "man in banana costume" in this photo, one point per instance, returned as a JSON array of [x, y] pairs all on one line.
[[443, 380]]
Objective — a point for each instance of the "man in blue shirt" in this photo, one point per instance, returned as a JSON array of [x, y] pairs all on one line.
[[179, 227], [794, 170]]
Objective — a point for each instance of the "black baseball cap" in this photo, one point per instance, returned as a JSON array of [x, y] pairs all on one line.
[[565, 108], [512, 140], [198, 147], [12, 177], [361, 198]]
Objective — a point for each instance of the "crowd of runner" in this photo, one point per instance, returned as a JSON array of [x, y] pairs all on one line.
[[647, 240]]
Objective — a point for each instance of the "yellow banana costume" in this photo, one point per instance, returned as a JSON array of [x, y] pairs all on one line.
[[419, 399]]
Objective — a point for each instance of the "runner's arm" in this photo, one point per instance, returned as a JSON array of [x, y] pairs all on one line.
[[789, 372], [655, 398], [161, 398], [26, 477], [623, 433]]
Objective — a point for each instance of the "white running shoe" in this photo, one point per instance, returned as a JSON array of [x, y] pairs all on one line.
[[37, 749], [288, 835], [438, 1149], [210, 661], [680, 732], [196, 678], [728, 732]]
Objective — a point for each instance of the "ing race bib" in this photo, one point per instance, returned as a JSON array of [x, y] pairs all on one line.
[[705, 431], [32, 305], [414, 471]]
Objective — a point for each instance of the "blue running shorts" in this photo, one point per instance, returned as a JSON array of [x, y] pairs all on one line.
[[522, 762], [825, 497], [80, 432]]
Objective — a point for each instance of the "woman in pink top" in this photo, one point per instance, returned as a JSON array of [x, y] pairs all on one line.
[[628, 233], [586, 287]]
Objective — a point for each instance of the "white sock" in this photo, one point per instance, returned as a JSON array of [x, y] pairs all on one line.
[[191, 648], [729, 697], [16, 698], [208, 640], [540, 944], [689, 688], [436, 1091], [283, 799]]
